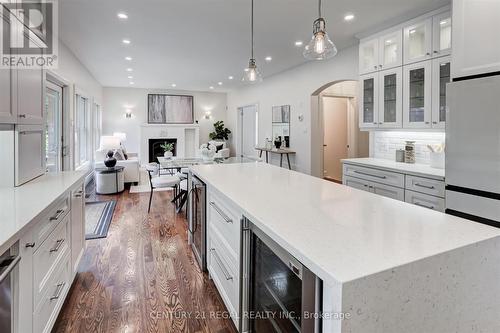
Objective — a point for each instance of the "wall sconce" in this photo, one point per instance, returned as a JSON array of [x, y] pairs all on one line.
[[208, 115], [128, 113]]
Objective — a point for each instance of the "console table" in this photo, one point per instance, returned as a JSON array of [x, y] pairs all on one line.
[[281, 152]]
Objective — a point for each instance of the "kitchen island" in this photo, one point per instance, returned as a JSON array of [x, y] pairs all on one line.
[[389, 265]]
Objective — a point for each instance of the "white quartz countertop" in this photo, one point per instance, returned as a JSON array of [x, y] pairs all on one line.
[[339, 233], [21, 205], [423, 170]]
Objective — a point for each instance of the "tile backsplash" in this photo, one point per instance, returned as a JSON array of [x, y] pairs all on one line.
[[385, 144]]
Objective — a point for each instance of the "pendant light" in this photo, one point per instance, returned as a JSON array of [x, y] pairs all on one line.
[[320, 47], [252, 74]]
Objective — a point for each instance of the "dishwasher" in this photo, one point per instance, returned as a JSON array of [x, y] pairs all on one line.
[[8, 289]]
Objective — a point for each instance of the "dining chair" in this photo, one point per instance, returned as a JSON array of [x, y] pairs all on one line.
[[157, 181]]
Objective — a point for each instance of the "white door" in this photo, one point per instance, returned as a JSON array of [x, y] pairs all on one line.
[[369, 56], [418, 42], [53, 127], [417, 91], [249, 129], [391, 98], [335, 142], [368, 106], [441, 76], [391, 50], [441, 35]]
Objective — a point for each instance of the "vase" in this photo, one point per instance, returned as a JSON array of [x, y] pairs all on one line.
[[277, 144], [110, 160], [168, 154]]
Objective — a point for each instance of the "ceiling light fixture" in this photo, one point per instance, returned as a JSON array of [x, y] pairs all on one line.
[[320, 47], [348, 17], [230, 77], [252, 74], [174, 85], [128, 58], [131, 82], [211, 87], [269, 58], [130, 77], [126, 41], [122, 15], [299, 43], [129, 70], [219, 83]]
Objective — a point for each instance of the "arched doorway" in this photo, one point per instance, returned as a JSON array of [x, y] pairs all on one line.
[[335, 131]]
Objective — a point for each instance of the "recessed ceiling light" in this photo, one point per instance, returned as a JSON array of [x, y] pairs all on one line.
[[348, 17], [443, 22], [211, 87], [299, 43], [122, 16], [230, 77], [126, 41], [388, 42], [128, 58], [174, 85], [219, 83], [131, 82], [412, 31], [129, 70], [269, 58]]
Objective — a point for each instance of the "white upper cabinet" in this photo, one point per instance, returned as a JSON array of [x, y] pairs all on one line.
[[476, 46], [418, 42], [391, 98], [441, 34], [441, 76], [417, 95], [369, 56], [7, 114], [368, 107]]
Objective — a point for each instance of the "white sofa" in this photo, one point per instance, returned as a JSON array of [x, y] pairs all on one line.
[[131, 172]]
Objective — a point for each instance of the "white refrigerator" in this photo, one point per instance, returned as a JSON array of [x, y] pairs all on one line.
[[473, 149]]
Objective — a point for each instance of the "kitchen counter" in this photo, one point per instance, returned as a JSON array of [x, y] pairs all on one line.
[[21, 205], [339, 233], [422, 170]]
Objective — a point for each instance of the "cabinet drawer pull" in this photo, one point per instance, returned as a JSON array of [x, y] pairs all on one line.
[[22, 116], [58, 292], [368, 174], [56, 248], [56, 217], [30, 244], [425, 186], [220, 212], [221, 265], [423, 205]]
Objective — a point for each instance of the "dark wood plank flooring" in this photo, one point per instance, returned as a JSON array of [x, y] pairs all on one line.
[[142, 277]]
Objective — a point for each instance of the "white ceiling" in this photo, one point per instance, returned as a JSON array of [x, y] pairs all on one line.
[[197, 43]]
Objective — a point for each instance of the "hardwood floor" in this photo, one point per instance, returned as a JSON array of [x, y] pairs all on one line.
[[142, 277]]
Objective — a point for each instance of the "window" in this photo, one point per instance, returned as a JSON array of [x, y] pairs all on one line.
[[82, 131]]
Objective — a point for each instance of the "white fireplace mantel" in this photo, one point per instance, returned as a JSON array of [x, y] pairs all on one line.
[[187, 135]]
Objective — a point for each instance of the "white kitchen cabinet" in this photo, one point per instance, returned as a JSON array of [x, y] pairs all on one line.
[[424, 200], [29, 90], [369, 104], [359, 184], [388, 191], [29, 155], [7, 113], [476, 49], [441, 76], [418, 42], [77, 225], [417, 95], [390, 110], [369, 56], [441, 34], [381, 52]]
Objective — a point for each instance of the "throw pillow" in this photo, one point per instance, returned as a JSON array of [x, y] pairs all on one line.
[[118, 154], [219, 147]]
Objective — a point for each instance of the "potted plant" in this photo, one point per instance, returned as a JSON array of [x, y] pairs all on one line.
[[221, 132], [167, 148]]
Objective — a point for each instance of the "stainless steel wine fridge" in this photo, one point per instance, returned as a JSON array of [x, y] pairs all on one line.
[[278, 293]]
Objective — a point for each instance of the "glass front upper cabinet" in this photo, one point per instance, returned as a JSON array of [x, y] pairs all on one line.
[[368, 116], [441, 72], [418, 42], [417, 95], [441, 34], [391, 103], [391, 50], [369, 56]]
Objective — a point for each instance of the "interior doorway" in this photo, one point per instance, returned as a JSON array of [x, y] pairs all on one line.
[[248, 119], [341, 135]]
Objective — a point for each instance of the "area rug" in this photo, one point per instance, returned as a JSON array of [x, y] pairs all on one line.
[[98, 215], [144, 185]]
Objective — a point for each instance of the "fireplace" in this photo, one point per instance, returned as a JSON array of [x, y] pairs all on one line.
[[156, 151]]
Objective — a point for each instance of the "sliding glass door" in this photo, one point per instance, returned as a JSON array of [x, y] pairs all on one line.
[[53, 127]]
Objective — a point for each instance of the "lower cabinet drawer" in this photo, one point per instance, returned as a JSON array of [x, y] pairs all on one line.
[[44, 227], [225, 218], [424, 200], [388, 191], [225, 274], [376, 175], [46, 312], [425, 185], [48, 258], [359, 184]]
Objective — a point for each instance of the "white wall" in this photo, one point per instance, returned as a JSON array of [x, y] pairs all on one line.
[[117, 100], [293, 87]]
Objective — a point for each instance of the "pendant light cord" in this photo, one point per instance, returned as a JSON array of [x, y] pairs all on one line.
[[319, 8], [252, 29]]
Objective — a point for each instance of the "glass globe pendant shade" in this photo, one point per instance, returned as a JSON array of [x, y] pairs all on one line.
[[252, 73], [320, 47]]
